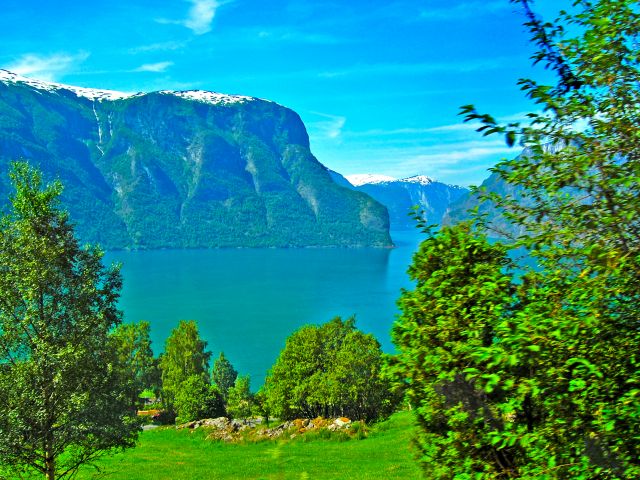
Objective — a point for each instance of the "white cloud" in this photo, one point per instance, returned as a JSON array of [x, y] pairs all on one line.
[[199, 17], [153, 67], [47, 67], [330, 127]]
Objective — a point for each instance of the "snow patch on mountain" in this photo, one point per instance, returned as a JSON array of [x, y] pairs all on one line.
[[367, 178], [7, 77], [212, 98], [360, 179], [94, 94], [421, 179]]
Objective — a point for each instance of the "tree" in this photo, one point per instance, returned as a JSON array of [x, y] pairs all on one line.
[[196, 399], [61, 400], [330, 370], [223, 375], [559, 377], [135, 357], [461, 292], [184, 356], [240, 399]]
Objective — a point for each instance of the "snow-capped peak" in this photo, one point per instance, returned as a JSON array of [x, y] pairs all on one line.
[[90, 93], [421, 179], [365, 178], [205, 96], [371, 178]]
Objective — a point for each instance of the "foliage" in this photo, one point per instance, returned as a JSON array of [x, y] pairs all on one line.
[[240, 399], [223, 375], [330, 370], [184, 356], [557, 379], [196, 399], [61, 400], [261, 407], [460, 290], [135, 358]]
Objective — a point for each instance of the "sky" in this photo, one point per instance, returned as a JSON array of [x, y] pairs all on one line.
[[378, 84]]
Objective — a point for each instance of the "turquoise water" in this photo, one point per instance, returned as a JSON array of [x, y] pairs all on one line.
[[247, 301]]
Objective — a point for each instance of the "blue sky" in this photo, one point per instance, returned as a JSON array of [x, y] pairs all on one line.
[[377, 83]]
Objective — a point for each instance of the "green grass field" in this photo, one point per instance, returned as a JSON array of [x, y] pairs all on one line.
[[167, 453]]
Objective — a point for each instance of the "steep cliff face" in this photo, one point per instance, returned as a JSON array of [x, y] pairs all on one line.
[[182, 169]]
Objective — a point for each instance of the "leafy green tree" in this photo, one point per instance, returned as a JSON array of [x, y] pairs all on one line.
[[196, 399], [61, 400], [184, 356], [461, 291], [240, 399], [558, 375], [261, 407], [329, 370], [223, 375], [135, 357]]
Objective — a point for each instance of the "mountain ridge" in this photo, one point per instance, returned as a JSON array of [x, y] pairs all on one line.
[[189, 169]]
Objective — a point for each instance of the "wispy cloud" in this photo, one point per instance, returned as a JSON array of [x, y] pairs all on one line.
[[153, 67], [296, 36], [413, 68], [465, 10], [456, 127], [47, 67], [330, 127], [453, 128], [159, 47], [199, 17]]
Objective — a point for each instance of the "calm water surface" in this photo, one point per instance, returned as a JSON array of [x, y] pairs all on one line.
[[247, 301]]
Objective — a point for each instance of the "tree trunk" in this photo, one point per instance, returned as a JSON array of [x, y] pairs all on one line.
[[50, 464]]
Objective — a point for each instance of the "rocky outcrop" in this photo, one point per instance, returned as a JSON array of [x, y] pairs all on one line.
[[227, 430]]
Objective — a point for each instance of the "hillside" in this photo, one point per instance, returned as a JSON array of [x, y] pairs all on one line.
[[181, 169]]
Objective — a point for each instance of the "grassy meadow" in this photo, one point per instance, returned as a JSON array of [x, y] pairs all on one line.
[[167, 453]]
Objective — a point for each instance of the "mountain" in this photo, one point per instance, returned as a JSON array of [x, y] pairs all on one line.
[[400, 195], [184, 169], [459, 210], [499, 225]]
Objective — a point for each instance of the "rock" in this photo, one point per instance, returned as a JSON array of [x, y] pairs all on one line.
[[219, 423], [192, 424], [301, 423], [342, 422]]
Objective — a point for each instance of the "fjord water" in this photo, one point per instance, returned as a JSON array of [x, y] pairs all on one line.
[[248, 301]]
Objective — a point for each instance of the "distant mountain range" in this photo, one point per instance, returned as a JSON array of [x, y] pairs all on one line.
[[184, 169], [400, 195]]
